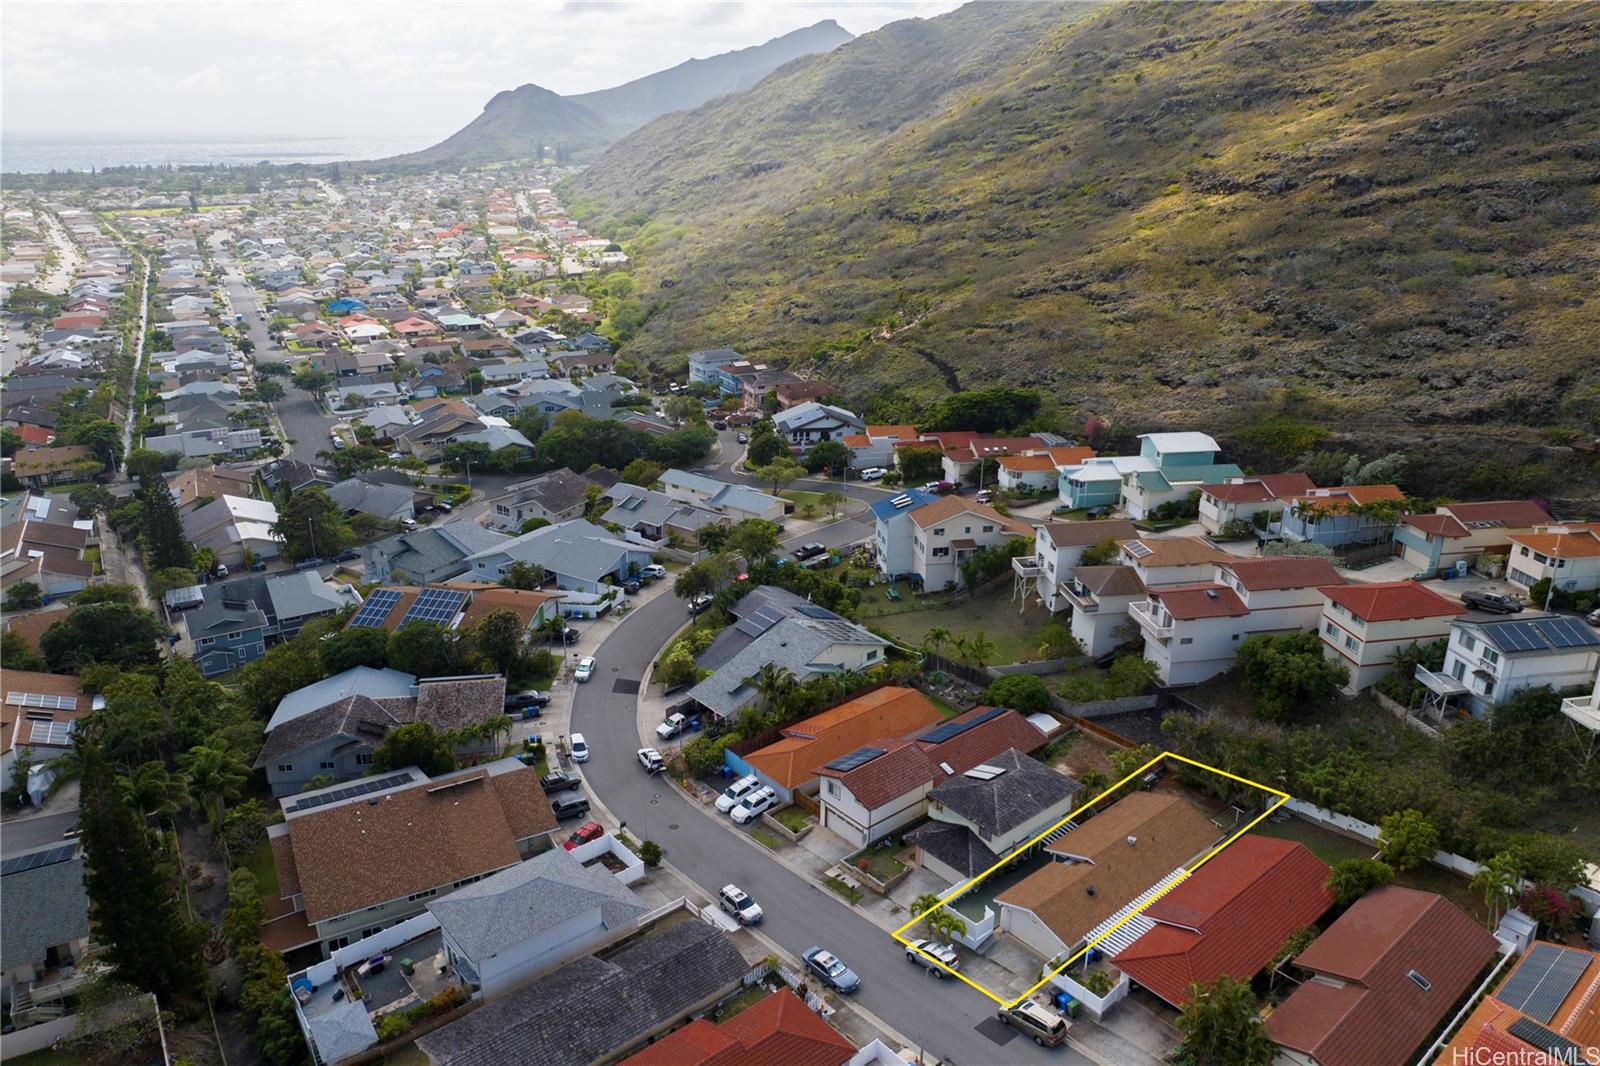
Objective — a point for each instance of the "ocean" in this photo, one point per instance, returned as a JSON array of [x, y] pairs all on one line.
[[36, 155]]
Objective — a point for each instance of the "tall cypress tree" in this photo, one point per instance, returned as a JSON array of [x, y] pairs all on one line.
[[161, 531], [135, 915]]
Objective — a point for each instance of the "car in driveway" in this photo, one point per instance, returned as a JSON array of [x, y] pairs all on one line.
[[700, 603], [585, 669], [830, 971], [1103, 511], [1593, 617], [872, 473], [653, 572], [579, 747], [810, 555], [349, 555], [737, 902], [1032, 1019], [586, 832], [651, 760], [559, 781], [1492, 602], [675, 724], [754, 805], [531, 697], [569, 806], [730, 796], [918, 952]]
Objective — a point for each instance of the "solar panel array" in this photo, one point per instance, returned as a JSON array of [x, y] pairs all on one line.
[[1537, 634], [1138, 549], [58, 734], [1559, 1047], [359, 788], [36, 859], [435, 605], [1542, 981], [760, 620], [376, 609], [38, 699], [816, 612], [942, 733], [859, 757]]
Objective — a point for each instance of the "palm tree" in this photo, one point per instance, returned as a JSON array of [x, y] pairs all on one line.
[[498, 725], [979, 650], [946, 923], [155, 792], [773, 683], [925, 903], [935, 638], [1497, 881], [959, 644], [216, 776], [1094, 782]]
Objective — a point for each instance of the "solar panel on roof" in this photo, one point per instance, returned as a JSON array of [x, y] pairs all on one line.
[[376, 609], [1543, 980], [1139, 549], [816, 612], [859, 757], [33, 860], [435, 605], [359, 788], [942, 733], [1566, 632], [1531, 1032]]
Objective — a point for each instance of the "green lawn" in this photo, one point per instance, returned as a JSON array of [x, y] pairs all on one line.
[[767, 839], [792, 818], [991, 613], [849, 892], [745, 998], [1328, 846], [881, 861], [91, 555], [259, 862], [949, 710], [802, 498]]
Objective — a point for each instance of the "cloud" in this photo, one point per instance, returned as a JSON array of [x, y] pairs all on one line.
[[204, 78]]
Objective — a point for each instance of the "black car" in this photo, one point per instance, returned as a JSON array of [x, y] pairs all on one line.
[[631, 586], [564, 807], [1098, 512], [349, 555], [516, 701], [560, 781]]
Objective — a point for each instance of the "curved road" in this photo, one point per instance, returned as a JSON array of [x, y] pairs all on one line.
[[942, 1015]]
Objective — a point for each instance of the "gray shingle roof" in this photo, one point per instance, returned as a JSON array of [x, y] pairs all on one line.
[[576, 549], [358, 680], [1005, 802], [793, 643], [502, 910], [592, 1008], [353, 494], [955, 846], [755, 612], [44, 907]]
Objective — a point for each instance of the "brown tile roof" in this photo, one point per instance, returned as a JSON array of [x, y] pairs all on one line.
[[1335, 498], [1109, 580], [1070, 456], [1202, 600], [434, 833], [31, 626], [1509, 513], [1381, 1016], [524, 603], [1390, 601], [891, 711], [1168, 833], [1083, 534], [1584, 545], [947, 507], [1177, 551], [1027, 463], [48, 460], [1283, 572], [54, 535], [1260, 489], [1576, 1017], [14, 716]]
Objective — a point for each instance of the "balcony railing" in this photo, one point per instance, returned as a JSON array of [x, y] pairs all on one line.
[[1027, 566], [1439, 684], [1080, 598], [1158, 626], [1585, 710]]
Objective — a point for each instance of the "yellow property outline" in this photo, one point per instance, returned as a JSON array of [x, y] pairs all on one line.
[[967, 886]]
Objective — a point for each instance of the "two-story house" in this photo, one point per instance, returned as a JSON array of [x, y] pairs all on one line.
[[1240, 499], [809, 423], [703, 364], [1172, 560], [353, 861], [1342, 515], [949, 531], [1099, 597], [1493, 658], [814, 642], [893, 532], [1567, 554], [1364, 625], [1057, 548], [1460, 532], [556, 496], [1168, 467]]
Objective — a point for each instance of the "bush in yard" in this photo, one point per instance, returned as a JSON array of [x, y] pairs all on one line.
[[1407, 839], [1023, 692], [650, 853], [1351, 879], [1288, 671], [1557, 912], [703, 755]]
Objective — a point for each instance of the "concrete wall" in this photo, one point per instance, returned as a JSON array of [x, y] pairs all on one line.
[[1344, 823], [1097, 1006]]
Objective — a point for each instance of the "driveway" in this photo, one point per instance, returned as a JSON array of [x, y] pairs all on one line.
[[944, 1016]]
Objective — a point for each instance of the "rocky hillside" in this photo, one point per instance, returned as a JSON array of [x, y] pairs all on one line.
[[1162, 214], [521, 123]]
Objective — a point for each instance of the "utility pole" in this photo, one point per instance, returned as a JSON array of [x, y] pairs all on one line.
[[311, 526]]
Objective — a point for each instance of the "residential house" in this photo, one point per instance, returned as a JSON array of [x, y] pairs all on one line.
[[1240, 499], [1461, 532], [557, 496], [350, 865], [817, 641], [1100, 597], [288, 601], [200, 443], [876, 446], [703, 364], [1057, 548], [44, 932], [230, 525], [1364, 625], [1568, 555], [964, 452], [596, 1009], [988, 811], [1228, 917], [203, 482], [336, 741], [512, 926], [1172, 560], [39, 467], [1168, 467], [357, 496], [654, 515], [227, 629], [883, 785], [1491, 659], [779, 1028], [427, 555], [809, 423], [751, 615], [894, 534], [38, 715], [1545, 1006], [1038, 472], [951, 530], [42, 547], [738, 502], [1192, 632], [1104, 870], [353, 392], [358, 680], [457, 605], [296, 475], [576, 555], [1340, 515], [1386, 974]]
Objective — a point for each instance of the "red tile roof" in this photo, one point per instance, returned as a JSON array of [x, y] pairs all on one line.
[[1391, 601], [777, 1029], [1381, 1016], [807, 745], [1261, 489], [1205, 600], [1283, 572], [1229, 917], [1580, 545], [1576, 1017]]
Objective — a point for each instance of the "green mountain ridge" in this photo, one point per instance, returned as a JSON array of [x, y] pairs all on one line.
[[1160, 214]]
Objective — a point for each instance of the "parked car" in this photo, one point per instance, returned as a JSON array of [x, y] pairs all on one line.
[[985, 496], [585, 669], [445, 506], [919, 950], [560, 781], [699, 604], [872, 473], [1030, 1018], [222, 569], [1593, 617], [338, 444], [631, 585], [651, 760], [675, 724], [737, 791], [807, 552], [1103, 511], [735, 901], [1492, 602], [349, 555], [408, 524], [565, 807], [751, 807], [721, 427], [586, 832], [532, 697], [307, 564], [653, 572], [830, 971], [579, 747], [744, 438]]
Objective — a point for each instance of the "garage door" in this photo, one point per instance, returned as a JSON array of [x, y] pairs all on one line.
[[1417, 558]]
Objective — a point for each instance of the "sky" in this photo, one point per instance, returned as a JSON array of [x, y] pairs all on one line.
[[248, 70]]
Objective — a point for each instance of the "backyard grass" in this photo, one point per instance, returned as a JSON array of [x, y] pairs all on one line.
[[882, 862], [802, 499], [991, 613], [745, 998], [91, 555], [1328, 846], [792, 818], [766, 838], [949, 710], [849, 892], [259, 862]]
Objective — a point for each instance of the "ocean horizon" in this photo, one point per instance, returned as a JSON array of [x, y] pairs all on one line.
[[38, 155]]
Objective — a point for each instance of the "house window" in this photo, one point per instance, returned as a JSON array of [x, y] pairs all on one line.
[[1185, 640], [988, 529], [1524, 552], [1236, 636], [364, 759], [1458, 670], [1488, 687], [286, 768], [938, 531], [1350, 642], [940, 553], [206, 642], [1330, 628], [325, 764], [1468, 641], [1491, 655], [338, 942], [966, 529], [831, 785]]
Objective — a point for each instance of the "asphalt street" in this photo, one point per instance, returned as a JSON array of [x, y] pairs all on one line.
[[942, 1015], [23, 833], [302, 420]]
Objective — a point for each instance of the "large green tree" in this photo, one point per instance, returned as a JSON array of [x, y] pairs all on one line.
[[1288, 672], [1351, 879], [357, 646], [1221, 1025], [1407, 839], [989, 410], [112, 633], [415, 744], [311, 525], [160, 529], [422, 648], [832, 454], [136, 915], [499, 638], [216, 776], [103, 438]]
